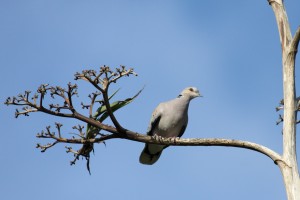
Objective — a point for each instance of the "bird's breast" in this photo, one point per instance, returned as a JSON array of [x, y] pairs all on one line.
[[171, 126]]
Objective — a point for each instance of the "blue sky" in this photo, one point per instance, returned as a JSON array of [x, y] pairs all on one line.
[[229, 50]]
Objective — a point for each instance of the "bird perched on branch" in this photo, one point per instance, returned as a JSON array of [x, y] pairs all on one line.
[[169, 119]]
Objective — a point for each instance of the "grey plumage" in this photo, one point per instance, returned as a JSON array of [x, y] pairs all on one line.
[[169, 119]]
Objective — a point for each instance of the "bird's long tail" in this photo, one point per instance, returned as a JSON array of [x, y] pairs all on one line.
[[148, 158]]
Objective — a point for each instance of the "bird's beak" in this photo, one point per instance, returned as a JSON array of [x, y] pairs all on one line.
[[199, 95]]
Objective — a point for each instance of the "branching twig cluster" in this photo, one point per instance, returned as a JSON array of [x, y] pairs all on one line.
[[101, 81], [104, 77]]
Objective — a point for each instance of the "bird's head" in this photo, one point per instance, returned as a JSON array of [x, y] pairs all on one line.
[[191, 92]]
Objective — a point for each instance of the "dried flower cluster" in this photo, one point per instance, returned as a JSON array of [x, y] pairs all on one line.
[[101, 81]]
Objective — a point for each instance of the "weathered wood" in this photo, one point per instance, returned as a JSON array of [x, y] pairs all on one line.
[[289, 47]]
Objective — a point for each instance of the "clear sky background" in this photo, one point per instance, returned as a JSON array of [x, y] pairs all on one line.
[[230, 50]]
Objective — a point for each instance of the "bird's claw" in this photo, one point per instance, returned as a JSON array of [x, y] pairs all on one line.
[[157, 137]]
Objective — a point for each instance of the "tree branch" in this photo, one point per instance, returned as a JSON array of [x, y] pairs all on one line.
[[175, 142], [205, 142], [111, 115], [94, 121], [295, 41]]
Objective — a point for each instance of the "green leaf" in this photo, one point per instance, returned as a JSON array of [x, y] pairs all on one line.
[[102, 108], [90, 129], [117, 105], [101, 113]]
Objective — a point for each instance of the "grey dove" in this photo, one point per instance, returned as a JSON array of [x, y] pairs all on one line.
[[169, 119]]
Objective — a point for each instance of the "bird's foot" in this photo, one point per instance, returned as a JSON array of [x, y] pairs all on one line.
[[157, 137], [174, 139]]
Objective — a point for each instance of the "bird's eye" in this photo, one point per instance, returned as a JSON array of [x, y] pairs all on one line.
[[191, 89]]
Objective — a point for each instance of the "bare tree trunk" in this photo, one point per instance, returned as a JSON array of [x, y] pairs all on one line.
[[289, 168]]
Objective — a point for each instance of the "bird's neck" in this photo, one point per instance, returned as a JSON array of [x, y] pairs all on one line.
[[184, 97], [184, 100]]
